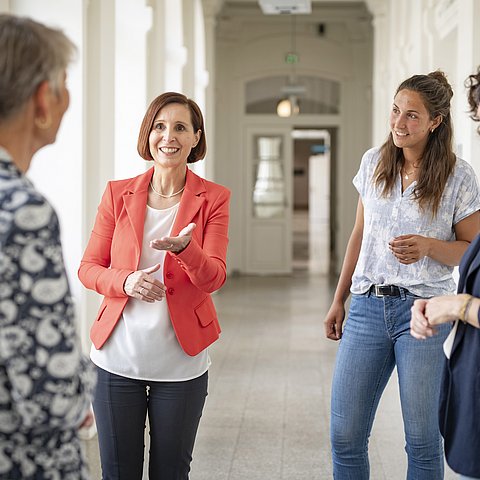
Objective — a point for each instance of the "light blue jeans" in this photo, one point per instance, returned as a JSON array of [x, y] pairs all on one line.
[[375, 339]]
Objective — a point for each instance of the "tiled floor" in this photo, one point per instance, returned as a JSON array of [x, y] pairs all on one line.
[[267, 412]]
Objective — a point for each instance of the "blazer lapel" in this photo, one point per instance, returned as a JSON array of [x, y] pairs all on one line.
[[135, 201], [136, 196], [191, 202]]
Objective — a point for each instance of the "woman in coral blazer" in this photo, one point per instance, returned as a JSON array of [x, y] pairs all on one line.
[[156, 252]]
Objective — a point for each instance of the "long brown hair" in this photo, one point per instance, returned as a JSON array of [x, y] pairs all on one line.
[[438, 158]]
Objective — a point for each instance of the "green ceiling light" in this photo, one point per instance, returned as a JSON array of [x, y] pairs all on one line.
[[291, 58]]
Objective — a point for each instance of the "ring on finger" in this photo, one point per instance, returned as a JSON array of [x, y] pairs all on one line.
[[142, 291]]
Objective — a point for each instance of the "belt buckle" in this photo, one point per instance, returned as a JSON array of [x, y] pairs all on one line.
[[378, 291]]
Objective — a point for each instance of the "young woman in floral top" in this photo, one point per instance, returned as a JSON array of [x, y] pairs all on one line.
[[417, 214]]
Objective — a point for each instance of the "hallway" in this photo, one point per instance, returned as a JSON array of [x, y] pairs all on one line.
[[266, 416], [267, 412]]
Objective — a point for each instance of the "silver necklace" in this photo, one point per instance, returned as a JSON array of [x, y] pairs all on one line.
[[166, 196]]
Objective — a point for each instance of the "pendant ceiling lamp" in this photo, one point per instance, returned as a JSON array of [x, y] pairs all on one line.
[[289, 104]]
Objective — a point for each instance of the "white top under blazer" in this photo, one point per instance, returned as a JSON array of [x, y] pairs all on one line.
[[143, 345]]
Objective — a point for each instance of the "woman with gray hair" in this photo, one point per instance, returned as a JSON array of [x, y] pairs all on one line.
[[45, 382]]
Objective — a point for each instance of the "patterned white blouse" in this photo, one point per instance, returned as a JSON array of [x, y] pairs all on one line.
[[45, 382], [399, 214]]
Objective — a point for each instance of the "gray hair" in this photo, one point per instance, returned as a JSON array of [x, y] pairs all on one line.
[[30, 53]]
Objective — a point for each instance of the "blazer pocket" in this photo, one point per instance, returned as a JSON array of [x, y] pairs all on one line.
[[101, 311], [206, 312]]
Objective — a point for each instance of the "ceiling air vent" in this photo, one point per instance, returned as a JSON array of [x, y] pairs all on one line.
[[285, 7]]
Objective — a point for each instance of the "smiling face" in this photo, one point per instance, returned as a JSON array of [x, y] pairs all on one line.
[[410, 122], [172, 136]]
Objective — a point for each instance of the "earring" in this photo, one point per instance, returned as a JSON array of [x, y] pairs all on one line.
[[432, 130], [43, 123]]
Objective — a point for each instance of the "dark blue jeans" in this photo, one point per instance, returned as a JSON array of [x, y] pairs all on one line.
[[174, 410]]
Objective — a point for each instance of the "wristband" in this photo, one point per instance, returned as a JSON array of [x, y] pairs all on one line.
[[463, 313]]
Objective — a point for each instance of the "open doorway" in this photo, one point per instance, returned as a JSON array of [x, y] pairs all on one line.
[[313, 216]]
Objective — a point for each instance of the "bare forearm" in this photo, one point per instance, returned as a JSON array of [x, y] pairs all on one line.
[[448, 308], [448, 253], [351, 257]]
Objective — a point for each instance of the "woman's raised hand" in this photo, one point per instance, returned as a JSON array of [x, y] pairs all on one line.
[[142, 285], [175, 244], [409, 248]]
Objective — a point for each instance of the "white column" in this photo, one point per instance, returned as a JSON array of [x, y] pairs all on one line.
[[156, 50], [130, 83], [197, 67], [201, 75], [188, 74], [99, 126], [380, 95], [167, 55], [175, 53], [210, 11]]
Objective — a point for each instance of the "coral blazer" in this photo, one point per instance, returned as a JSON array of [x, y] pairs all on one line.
[[113, 253]]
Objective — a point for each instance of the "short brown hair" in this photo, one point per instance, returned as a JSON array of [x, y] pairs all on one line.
[[143, 147]]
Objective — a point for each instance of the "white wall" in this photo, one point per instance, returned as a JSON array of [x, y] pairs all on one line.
[[419, 36]]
